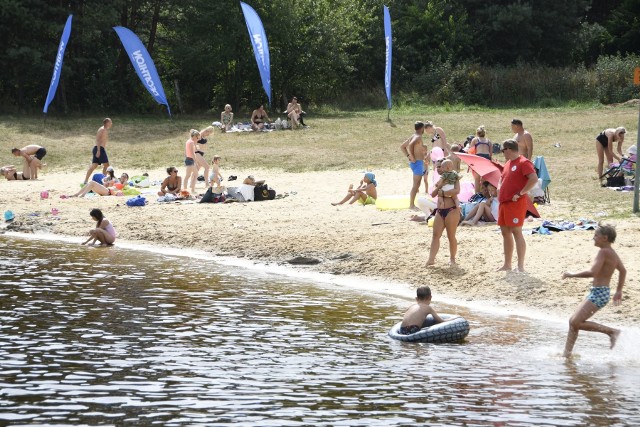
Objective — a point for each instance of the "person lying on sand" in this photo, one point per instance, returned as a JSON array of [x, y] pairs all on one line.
[[101, 189], [11, 173]]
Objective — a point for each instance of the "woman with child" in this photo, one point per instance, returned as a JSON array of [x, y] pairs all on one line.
[[447, 215], [604, 146], [486, 210]]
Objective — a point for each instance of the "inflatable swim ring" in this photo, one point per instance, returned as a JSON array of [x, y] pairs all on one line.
[[447, 332]]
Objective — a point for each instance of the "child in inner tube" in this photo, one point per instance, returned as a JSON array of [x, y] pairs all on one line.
[[417, 313]]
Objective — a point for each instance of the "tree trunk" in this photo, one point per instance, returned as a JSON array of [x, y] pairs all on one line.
[[175, 84], [154, 27]]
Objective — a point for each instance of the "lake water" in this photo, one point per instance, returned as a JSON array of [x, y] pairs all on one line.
[[112, 336]]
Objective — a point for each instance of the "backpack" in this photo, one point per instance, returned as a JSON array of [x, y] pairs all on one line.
[[211, 197], [263, 192], [137, 201], [496, 148]]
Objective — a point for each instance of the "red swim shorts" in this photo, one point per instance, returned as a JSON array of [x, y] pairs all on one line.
[[511, 214]]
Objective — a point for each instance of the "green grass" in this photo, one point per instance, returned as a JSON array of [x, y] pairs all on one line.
[[339, 140]]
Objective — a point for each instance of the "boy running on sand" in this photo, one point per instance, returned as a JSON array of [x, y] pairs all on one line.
[[606, 262]]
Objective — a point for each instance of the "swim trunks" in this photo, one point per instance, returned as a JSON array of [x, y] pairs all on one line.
[[603, 140], [512, 214], [188, 161], [40, 153], [370, 201], [103, 156], [484, 155], [408, 330], [599, 296], [417, 167]]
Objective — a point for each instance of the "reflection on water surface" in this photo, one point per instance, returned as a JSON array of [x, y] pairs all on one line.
[[113, 336]]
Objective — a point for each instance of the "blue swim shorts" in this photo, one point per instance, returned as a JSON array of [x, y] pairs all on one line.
[[599, 295], [188, 161], [417, 167]]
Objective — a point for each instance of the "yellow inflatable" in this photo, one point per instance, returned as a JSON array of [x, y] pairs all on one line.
[[386, 203]]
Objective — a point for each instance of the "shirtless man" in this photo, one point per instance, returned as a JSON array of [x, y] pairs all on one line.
[[414, 149], [33, 155], [606, 262], [523, 138], [415, 315], [99, 151]]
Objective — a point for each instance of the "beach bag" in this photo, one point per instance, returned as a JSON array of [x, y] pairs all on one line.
[[615, 181], [263, 192], [211, 197], [137, 201], [496, 148]]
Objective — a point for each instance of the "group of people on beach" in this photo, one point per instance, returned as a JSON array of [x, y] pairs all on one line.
[[511, 199]]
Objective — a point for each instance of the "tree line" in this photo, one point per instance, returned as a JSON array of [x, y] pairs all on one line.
[[324, 51]]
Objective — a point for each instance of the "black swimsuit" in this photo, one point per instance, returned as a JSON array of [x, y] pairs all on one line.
[[15, 176], [603, 139]]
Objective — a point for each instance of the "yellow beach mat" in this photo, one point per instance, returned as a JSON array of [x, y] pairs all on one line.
[[386, 203]]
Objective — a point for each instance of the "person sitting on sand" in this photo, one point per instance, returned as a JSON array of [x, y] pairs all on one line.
[[104, 231], [415, 315], [110, 178], [606, 262], [11, 173], [365, 194], [171, 184], [486, 210], [258, 118], [101, 190]]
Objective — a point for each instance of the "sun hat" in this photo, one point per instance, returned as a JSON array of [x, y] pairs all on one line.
[[8, 216]]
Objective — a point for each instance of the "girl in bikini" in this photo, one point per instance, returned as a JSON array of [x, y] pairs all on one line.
[[201, 162]]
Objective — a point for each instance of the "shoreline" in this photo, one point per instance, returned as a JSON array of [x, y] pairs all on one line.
[[361, 283], [349, 242]]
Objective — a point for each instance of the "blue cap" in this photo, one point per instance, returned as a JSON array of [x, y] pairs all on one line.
[[8, 216]]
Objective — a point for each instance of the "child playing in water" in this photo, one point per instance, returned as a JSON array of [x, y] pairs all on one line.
[[365, 194], [415, 316], [448, 179], [606, 262], [104, 231]]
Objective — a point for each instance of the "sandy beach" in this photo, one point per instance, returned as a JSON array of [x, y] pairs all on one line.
[[346, 240]]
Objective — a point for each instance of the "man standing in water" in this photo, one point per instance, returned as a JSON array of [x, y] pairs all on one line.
[[414, 149], [523, 138], [606, 262], [99, 151]]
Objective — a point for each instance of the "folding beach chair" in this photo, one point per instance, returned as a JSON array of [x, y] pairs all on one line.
[[615, 174], [543, 174]]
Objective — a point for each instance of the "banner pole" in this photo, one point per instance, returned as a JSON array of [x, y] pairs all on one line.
[[636, 184]]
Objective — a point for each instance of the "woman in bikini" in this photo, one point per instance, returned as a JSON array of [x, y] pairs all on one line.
[[104, 231], [258, 118], [226, 118], [11, 173], [604, 146], [101, 190], [480, 146], [171, 184], [191, 174], [201, 162], [447, 216]]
